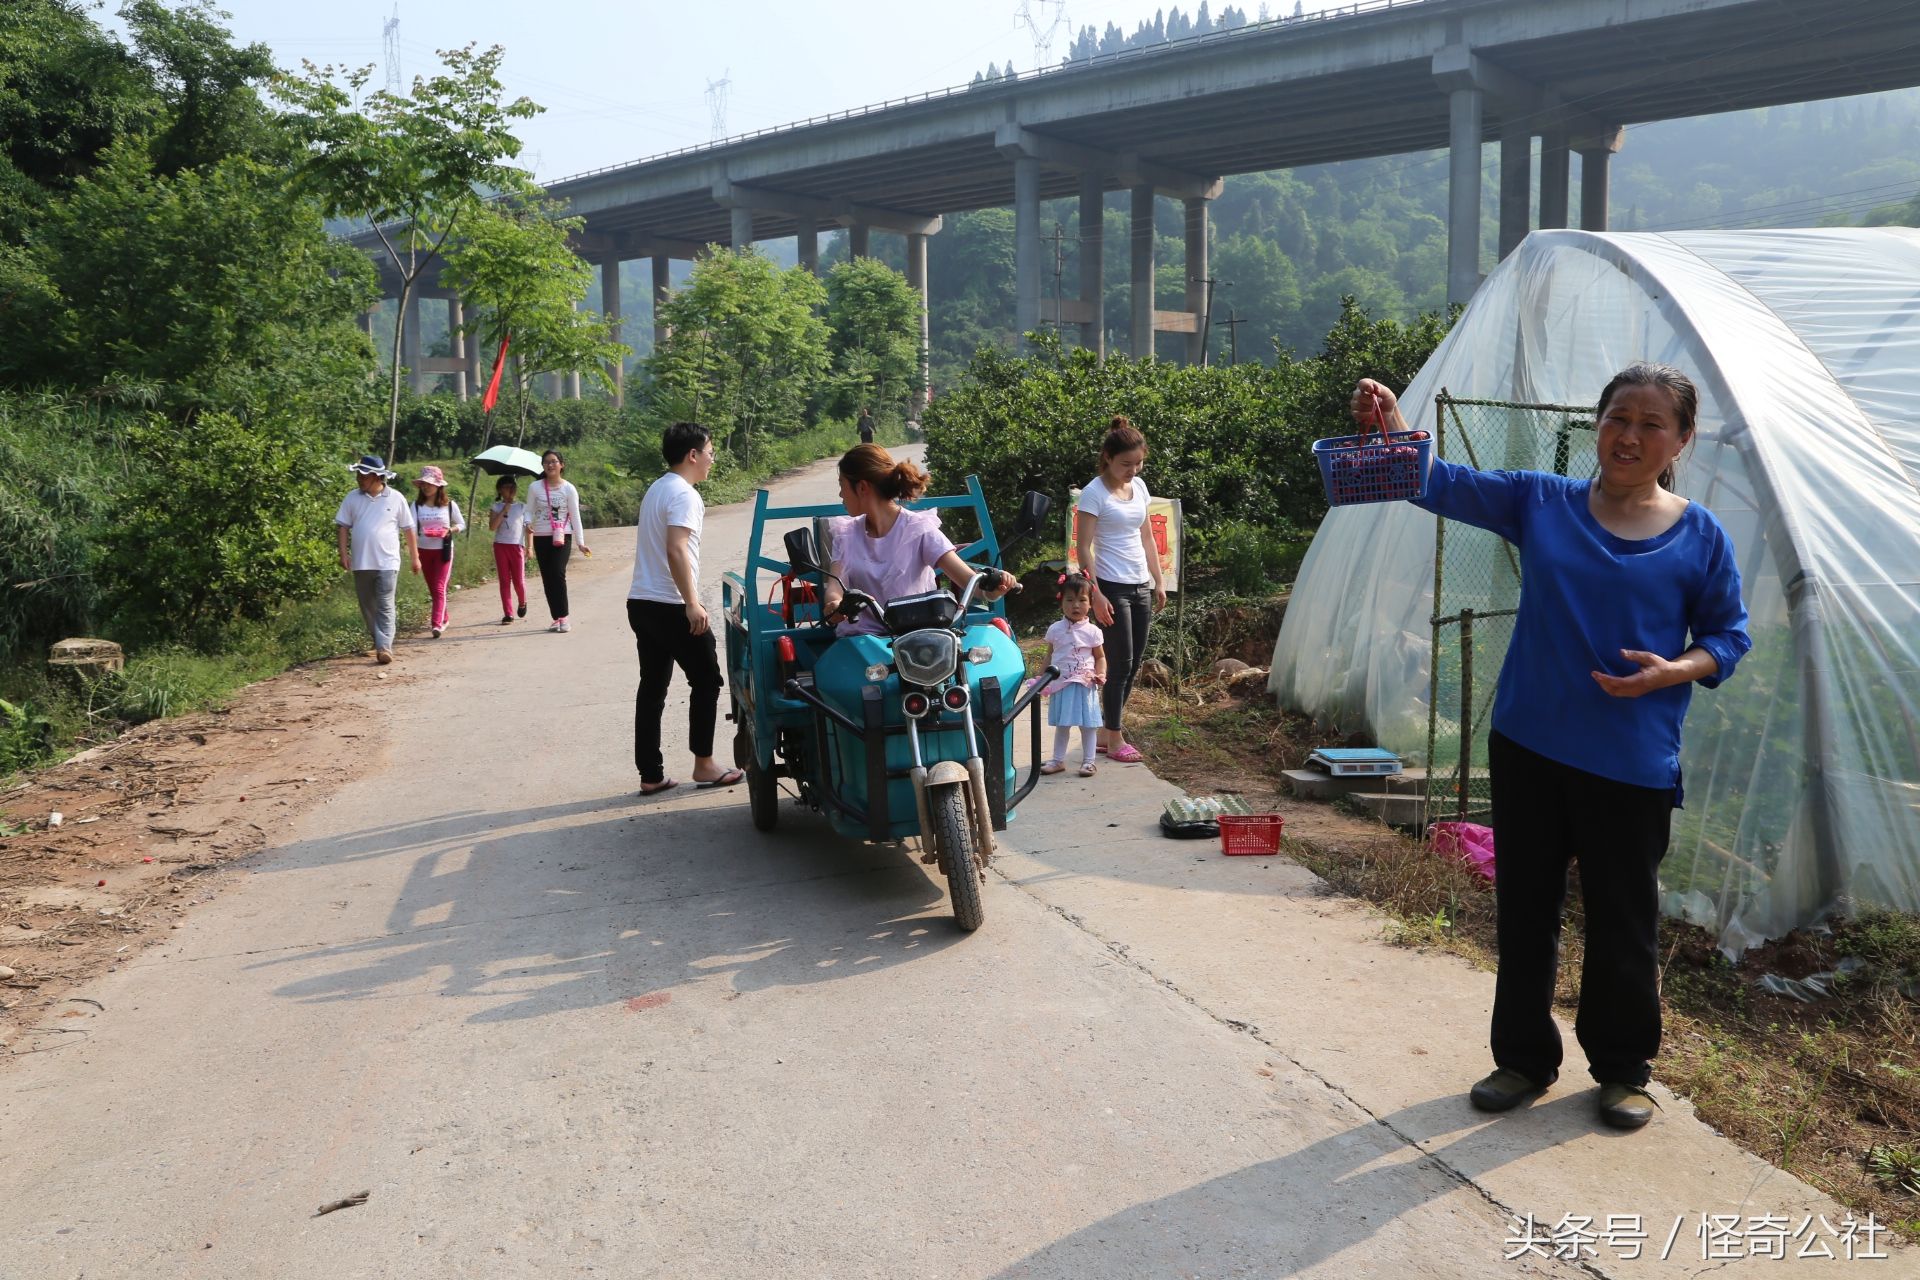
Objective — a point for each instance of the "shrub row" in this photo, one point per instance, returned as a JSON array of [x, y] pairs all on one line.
[[1234, 444]]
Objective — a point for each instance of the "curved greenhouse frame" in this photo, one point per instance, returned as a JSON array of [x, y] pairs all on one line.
[[1802, 772]]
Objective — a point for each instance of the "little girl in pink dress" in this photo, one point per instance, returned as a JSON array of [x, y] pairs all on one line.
[[1080, 655]]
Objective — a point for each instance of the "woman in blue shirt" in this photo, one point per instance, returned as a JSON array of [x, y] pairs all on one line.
[[1630, 596]]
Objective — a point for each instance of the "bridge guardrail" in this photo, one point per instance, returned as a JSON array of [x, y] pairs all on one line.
[[1359, 8]]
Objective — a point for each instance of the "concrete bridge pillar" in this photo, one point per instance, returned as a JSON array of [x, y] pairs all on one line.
[[1596, 156], [742, 227], [1093, 205], [1199, 274], [859, 240], [410, 346], [807, 241], [1556, 178], [1465, 107], [1026, 245], [458, 343], [610, 305], [917, 279], [1140, 235], [1516, 181], [662, 290]]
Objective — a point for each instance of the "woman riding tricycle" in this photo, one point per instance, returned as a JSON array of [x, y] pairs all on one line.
[[885, 702]]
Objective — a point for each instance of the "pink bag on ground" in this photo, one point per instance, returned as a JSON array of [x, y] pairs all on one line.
[[1470, 842]]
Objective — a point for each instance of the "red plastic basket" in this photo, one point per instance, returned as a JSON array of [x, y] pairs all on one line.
[[1253, 833], [1379, 466]]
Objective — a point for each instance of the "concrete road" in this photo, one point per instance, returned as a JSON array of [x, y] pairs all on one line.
[[556, 1029]]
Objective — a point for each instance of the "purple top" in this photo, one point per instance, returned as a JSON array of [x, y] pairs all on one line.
[[887, 568]]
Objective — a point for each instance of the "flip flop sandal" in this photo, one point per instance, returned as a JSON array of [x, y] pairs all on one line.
[[655, 788], [730, 778], [1127, 754]]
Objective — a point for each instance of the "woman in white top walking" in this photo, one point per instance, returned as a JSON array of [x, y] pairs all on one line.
[[1115, 541], [437, 516], [555, 507]]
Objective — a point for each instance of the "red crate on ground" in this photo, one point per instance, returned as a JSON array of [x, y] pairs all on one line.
[[1253, 833]]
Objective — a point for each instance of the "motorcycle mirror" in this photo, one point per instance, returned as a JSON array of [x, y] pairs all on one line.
[[801, 556], [1034, 507]]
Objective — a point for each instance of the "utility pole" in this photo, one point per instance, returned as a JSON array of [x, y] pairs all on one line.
[[1206, 315], [1233, 323], [1058, 237]]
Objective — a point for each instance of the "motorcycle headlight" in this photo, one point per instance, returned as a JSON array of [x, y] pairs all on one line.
[[926, 657]]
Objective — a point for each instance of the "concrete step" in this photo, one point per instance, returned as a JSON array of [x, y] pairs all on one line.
[[1312, 784], [1410, 811], [1394, 810]]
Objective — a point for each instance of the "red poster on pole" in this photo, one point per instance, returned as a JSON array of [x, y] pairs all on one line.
[[493, 386]]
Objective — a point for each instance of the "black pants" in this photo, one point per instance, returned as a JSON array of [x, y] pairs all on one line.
[[1546, 815], [553, 570], [662, 634], [1126, 643]]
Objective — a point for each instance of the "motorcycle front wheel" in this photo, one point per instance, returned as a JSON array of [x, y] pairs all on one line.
[[953, 835]]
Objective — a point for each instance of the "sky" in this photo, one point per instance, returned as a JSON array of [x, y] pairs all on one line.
[[623, 80]]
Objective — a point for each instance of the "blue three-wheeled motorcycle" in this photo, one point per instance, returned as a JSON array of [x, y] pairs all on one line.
[[891, 736]]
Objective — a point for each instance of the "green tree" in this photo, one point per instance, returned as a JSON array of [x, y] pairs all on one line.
[[748, 349], [219, 283], [221, 522], [67, 90], [1260, 288], [414, 165], [208, 106], [514, 266], [873, 318]]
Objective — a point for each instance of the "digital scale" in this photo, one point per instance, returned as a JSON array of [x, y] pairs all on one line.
[[1354, 762]]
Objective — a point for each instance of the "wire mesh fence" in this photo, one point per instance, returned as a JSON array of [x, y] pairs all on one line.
[[1476, 587]]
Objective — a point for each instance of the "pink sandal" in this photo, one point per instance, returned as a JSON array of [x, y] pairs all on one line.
[[1126, 753]]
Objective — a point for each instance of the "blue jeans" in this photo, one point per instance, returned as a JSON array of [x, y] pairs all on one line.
[[375, 587]]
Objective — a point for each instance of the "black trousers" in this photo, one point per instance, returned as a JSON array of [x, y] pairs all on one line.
[[553, 570], [663, 636], [1126, 643], [1547, 815]]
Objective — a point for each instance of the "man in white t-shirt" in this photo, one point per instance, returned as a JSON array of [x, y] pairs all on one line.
[[669, 623], [370, 526]]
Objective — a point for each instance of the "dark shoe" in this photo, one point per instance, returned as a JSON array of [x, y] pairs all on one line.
[[1626, 1106], [522, 612], [1505, 1089]]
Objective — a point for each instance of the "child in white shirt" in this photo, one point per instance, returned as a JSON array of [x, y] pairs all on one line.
[[1080, 656], [511, 534]]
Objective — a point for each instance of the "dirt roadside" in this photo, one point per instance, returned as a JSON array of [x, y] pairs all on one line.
[[149, 821]]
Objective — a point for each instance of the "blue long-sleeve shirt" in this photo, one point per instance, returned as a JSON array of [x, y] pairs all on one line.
[[1585, 595]]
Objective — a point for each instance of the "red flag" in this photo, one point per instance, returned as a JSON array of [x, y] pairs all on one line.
[[493, 386]]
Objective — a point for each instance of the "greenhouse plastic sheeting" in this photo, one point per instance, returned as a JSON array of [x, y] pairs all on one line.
[[1803, 771]]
